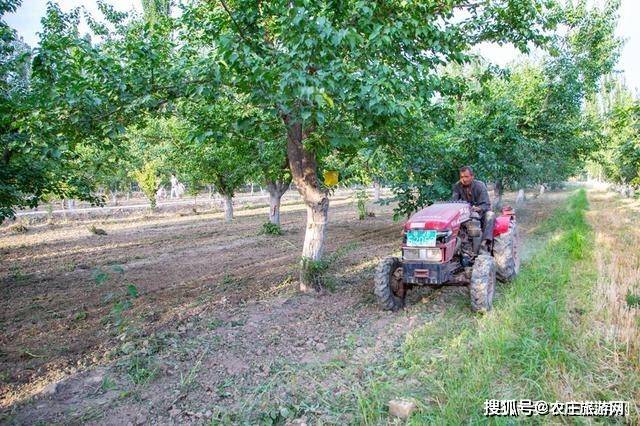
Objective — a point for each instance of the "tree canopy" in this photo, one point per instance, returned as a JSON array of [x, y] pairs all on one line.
[[235, 90]]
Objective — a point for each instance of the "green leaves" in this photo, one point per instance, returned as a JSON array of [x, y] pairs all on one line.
[[209, 92]]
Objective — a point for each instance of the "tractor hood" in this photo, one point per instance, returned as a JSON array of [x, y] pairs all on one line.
[[439, 217]]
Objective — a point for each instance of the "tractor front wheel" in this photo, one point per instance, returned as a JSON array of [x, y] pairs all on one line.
[[483, 283], [389, 286]]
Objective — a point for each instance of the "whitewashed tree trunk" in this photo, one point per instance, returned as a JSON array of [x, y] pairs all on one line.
[[520, 197], [376, 191], [228, 208], [304, 168], [274, 209], [313, 248], [276, 191]]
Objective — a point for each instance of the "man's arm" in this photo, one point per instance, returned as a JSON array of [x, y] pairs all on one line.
[[482, 197]]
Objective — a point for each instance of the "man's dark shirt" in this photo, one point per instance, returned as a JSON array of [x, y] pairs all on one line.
[[476, 194]]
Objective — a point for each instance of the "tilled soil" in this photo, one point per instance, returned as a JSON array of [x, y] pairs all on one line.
[[174, 319]]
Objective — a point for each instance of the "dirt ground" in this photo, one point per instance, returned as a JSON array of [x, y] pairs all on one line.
[[180, 318]]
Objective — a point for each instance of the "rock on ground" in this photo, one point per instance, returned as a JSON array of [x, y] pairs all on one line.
[[401, 408]]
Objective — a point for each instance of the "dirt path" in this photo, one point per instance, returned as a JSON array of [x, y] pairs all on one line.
[[173, 319]]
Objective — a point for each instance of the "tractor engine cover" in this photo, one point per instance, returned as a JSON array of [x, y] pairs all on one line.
[[440, 217], [431, 240]]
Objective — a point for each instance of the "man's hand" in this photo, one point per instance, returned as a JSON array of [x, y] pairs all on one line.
[[476, 209]]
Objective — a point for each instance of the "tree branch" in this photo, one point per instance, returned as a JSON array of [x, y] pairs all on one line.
[[240, 32]]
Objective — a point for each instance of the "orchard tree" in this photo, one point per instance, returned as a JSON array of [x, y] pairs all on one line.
[[109, 170], [147, 148], [311, 62], [530, 125], [214, 150], [32, 165], [75, 93], [620, 154], [274, 169]]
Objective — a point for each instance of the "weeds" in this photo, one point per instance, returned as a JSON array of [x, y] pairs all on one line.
[[122, 299], [361, 203], [18, 228], [49, 214], [17, 275], [269, 228], [141, 369], [101, 275], [188, 380], [107, 384], [215, 323], [317, 271], [97, 231], [229, 281], [618, 282], [633, 300]]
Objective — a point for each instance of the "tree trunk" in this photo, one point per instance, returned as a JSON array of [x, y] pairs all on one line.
[[498, 190], [304, 167], [376, 191], [228, 208], [276, 191]]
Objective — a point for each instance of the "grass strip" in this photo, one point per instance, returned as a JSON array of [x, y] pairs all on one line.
[[533, 345]]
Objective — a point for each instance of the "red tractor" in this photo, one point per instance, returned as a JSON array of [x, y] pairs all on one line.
[[441, 246]]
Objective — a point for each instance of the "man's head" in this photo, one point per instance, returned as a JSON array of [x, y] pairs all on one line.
[[466, 175]]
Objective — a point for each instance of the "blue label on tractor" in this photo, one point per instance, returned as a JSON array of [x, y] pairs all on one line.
[[421, 237]]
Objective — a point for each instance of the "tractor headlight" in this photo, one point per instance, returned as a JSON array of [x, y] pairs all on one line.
[[427, 254]]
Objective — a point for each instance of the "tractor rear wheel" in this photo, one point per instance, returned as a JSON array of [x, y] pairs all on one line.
[[389, 286], [505, 253], [483, 283]]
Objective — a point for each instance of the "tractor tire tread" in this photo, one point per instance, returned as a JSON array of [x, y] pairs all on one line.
[[382, 284], [482, 285], [505, 253]]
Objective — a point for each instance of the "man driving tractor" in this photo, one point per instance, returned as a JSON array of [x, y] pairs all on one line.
[[475, 193]]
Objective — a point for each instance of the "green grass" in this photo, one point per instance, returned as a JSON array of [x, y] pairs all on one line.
[[535, 344]]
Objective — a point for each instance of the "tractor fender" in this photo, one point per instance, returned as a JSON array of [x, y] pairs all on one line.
[[502, 225]]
